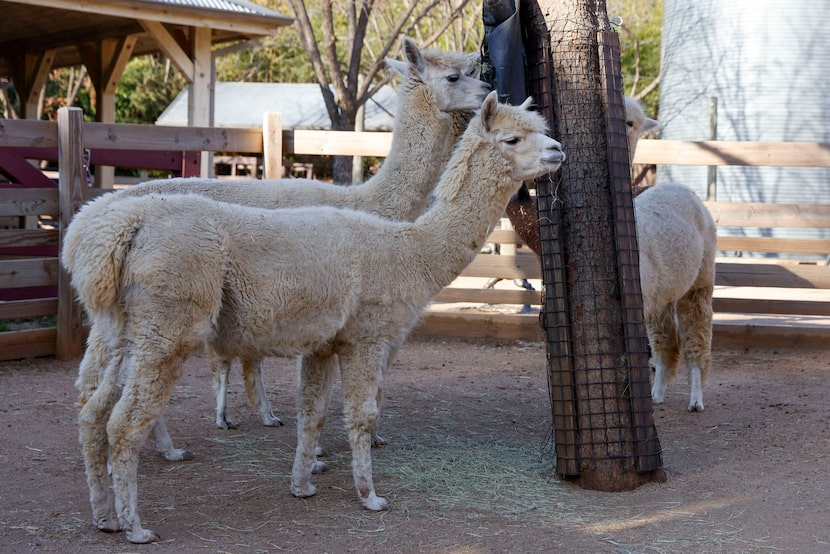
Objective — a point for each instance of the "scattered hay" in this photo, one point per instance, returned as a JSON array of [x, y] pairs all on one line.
[[463, 481], [451, 473]]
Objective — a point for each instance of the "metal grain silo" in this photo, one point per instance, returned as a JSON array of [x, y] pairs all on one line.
[[767, 63]]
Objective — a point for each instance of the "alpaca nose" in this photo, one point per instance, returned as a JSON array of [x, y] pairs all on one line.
[[555, 151]]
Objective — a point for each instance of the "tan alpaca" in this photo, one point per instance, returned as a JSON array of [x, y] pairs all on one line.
[[677, 240], [435, 83], [521, 210], [637, 124], [172, 272]]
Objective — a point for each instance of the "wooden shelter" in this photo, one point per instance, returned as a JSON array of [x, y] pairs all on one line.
[[37, 36]]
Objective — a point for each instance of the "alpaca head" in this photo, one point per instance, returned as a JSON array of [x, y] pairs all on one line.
[[637, 124], [450, 76], [520, 136]]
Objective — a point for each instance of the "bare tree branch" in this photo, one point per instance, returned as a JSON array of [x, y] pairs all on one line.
[[304, 29]]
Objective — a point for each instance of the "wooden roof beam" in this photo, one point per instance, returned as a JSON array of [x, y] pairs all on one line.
[[29, 73], [191, 16], [171, 48]]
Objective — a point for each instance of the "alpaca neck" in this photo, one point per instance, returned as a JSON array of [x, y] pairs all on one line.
[[410, 171], [470, 198]]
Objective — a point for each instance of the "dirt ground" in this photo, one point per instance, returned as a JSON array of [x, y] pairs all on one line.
[[468, 467]]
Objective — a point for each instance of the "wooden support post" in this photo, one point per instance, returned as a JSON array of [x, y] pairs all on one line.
[[271, 146], [199, 97], [72, 180]]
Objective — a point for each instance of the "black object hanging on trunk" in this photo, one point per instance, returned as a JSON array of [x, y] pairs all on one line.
[[502, 50], [503, 62]]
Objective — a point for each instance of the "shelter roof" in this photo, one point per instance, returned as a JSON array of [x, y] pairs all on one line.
[[32, 27], [300, 104]]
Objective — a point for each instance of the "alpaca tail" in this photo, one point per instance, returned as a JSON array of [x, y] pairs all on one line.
[[95, 247]]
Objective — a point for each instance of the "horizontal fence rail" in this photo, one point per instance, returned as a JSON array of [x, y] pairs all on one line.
[[33, 286]]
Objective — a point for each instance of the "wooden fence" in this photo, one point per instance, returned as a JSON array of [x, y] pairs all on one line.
[[769, 301], [32, 283]]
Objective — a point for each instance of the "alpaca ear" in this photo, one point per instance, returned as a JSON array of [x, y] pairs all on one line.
[[397, 66], [527, 103], [413, 54], [489, 108], [474, 65], [649, 125]]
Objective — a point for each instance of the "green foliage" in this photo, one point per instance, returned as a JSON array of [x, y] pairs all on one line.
[[147, 87], [640, 42], [9, 101], [279, 58], [276, 59], [282, 58]]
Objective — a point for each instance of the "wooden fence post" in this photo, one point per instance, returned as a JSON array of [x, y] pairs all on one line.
[[72, 180], [271, 146]]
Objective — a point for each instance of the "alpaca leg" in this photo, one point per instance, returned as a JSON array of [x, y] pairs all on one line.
[[220, 367], [96, 358], [92, 424], [137, 411], [361, 370], [164, 444], [694, 314], [255, 388], [316, 374], [491, 283], [334, 366], [665, 349], [377, 440], [161, 339]]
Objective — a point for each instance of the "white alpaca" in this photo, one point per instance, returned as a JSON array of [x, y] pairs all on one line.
[[172, 272], [521, 210], [677, 241], [435, 82], [637, 124]]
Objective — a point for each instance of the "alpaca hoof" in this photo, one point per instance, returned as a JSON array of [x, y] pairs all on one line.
[[318, 467], [696, 406], [270, 420], [225, 423], [657, 394], [375, 503], [108, 525], [303, 492], [318, 451], [177, 455], [378, 441], [142, 536]]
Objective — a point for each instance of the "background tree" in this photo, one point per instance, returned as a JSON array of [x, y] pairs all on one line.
[[147, 86], [150, 83], [347, 42], [592, 315], [640, 42]]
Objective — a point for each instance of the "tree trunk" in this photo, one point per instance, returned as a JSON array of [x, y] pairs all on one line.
[[341, 166], [341, 169], [593, 318]]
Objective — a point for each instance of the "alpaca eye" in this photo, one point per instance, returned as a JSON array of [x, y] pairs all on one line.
[[512, 140], [453, 78], [630, 123]]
